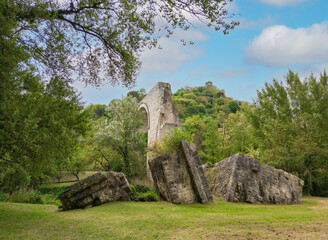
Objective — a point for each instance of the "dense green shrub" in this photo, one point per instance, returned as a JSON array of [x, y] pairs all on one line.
[[173, 137], [13, 177], [42, 196], [24, 195], [201, 108], [220, 101], [191, 110], [233, 106], [54, 191], [3, 196], [143, 194]]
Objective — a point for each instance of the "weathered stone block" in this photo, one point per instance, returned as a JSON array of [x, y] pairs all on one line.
[[179, 177], [240, 178], [95, 190]]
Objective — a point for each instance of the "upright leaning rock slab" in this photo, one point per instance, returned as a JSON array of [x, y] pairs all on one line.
[[95, 190], [240, 178], [179, 177]]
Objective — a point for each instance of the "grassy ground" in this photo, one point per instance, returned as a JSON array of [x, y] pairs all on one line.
[[161, 220]]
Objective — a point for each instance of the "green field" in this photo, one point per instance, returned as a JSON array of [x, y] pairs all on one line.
[[161, 220]]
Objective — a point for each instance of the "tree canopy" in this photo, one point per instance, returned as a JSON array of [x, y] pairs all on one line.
[[100, 40], [291, 125], [121, 132], [39, 126], [40, 121]]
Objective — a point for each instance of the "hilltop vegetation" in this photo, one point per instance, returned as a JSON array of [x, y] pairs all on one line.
[[217, 122]]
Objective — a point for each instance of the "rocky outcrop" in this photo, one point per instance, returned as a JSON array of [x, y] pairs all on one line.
[[240, 178], [95, 190], [179, 177]]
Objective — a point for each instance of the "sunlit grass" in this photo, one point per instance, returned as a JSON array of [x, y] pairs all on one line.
[[161, 220]]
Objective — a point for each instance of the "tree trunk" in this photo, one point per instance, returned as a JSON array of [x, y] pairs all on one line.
[[126, 163]]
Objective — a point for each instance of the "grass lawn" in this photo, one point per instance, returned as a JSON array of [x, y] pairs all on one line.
[[161, 220]]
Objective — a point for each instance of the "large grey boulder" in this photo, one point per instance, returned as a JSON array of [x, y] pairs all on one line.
[[179, 177], [95, 190], [240, 178]]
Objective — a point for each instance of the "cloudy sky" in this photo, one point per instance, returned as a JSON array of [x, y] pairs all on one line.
[[273, 36]]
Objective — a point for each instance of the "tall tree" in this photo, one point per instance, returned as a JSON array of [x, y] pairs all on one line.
[[212, 142], [291, 122], [101, 39], [39, 124], [122, 132]]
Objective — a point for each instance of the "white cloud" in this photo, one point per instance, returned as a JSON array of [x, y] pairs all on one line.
[[281, 3], [172, 54], [282, 46]]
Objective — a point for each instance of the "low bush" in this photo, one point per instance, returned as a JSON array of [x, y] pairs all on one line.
[[3, 196], [54, 191], [24, 195], [150, 196], [169, 143], [143, 194]]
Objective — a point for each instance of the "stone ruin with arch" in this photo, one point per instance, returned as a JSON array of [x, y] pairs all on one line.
[[180, 178]]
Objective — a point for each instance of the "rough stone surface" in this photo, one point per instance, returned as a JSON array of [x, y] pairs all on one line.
[[95, 190], [179, 177], [158, 113], [240, 178]]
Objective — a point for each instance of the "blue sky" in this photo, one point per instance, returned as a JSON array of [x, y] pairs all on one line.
[[273, 36]]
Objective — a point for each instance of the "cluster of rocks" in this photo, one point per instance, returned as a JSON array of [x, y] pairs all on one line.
[[240, 178], [95, 190]]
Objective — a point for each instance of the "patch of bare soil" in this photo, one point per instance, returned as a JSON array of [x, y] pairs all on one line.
[[322, 203], [317, 231]]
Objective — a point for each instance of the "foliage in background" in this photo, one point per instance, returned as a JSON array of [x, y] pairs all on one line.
[[25, 195], [40, 126], [139, 94], [40, 121], [123, 135], [217, 122], [291, 123]]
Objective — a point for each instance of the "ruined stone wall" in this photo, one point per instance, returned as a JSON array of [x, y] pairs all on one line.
[[158, 112]]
